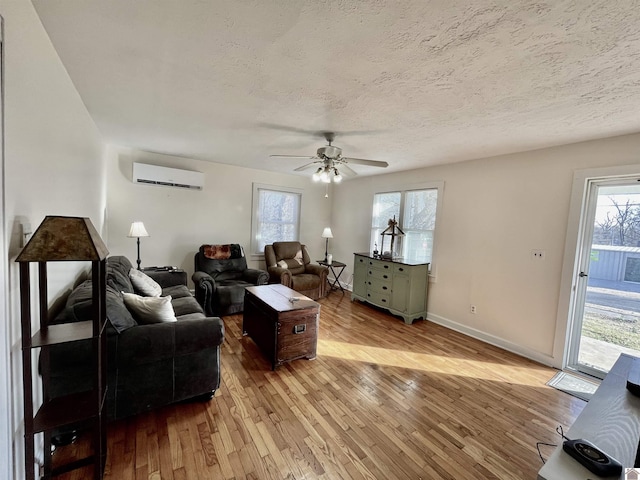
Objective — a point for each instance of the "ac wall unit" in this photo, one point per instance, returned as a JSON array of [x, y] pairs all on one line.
[[170, 177]]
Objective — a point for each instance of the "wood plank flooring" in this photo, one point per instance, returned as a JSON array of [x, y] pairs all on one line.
[[383, 400]]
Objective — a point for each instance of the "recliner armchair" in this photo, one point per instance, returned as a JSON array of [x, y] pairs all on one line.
[[220, 277], [288, 263]]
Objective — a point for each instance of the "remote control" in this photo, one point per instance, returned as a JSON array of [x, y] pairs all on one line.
[[592, 458]]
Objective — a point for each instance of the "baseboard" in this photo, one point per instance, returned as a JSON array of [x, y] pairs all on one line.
[[346, 286], [547, 360], [492, 340]]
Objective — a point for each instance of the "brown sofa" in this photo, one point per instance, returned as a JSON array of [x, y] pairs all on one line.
[[288, 263]]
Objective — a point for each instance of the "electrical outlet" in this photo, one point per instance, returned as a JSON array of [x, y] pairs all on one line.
[[538, 254], [473, 309]]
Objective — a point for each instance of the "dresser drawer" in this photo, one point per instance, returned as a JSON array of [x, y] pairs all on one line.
[[380, 286], [377, 298], [378, 274], [380, 264], [400, 269]]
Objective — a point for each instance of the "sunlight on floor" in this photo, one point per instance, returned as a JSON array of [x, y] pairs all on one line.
[[435, 363]]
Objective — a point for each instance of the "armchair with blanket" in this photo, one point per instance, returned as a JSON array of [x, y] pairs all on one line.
[[221, 275], [288, 263]]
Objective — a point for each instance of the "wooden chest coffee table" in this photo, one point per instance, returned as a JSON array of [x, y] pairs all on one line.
[[282, 322]]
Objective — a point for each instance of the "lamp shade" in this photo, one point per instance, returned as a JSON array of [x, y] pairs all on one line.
[[326, 233], [64, 238], [137, 230]]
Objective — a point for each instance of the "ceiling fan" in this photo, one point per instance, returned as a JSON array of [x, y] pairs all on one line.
[[329, 158]]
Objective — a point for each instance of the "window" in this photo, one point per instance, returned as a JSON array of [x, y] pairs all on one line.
[[415, 211], [276, 216], [632, 270]]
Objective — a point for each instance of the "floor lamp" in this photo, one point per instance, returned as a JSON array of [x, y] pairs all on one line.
[[137, 230]]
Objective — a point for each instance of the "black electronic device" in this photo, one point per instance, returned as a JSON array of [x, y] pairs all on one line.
[[166, 268], [593, 458]]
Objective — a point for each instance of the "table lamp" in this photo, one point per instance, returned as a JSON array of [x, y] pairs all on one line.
[[326, 233]]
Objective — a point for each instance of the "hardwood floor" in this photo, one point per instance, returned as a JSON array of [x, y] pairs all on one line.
[[383, 400]]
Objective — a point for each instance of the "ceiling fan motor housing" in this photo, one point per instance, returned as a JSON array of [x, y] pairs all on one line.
[[329, 151]]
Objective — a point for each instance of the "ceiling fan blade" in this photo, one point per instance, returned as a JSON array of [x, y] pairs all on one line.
[[294, 156], [344, 133], [362, 161], [343, 168], [287, 128], [304, 167]]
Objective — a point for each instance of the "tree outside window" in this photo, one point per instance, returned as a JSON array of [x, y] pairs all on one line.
[[276, 216], [415, 211]]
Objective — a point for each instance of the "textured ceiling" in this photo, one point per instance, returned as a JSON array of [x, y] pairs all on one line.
[[413, 83]]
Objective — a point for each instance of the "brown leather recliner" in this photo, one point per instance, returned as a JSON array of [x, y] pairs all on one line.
[[288, 263]]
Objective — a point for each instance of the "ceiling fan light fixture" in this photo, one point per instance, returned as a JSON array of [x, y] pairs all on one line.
[[329, 157]]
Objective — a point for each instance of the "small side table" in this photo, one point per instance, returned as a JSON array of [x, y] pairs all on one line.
[[336, 275]]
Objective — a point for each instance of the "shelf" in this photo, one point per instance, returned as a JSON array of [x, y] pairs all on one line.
[[63, 333], [63, 239], [66, 410]]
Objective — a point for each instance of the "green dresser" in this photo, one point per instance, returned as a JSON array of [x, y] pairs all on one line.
[[399, 285]]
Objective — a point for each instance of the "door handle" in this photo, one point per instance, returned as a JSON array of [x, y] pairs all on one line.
[[582, 274]]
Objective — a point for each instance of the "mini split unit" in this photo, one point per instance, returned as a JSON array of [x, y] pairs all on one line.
[[168, 177]]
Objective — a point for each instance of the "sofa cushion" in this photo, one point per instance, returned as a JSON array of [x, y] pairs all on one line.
[[144, 284], [119, 281], [118, 274], [150, 309], [78, 307], [120, 263], [186, 305], [176, 291]]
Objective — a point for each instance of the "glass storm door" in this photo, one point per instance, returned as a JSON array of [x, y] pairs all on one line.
[[606, 312]]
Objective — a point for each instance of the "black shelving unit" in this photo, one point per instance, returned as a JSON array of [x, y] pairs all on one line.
[[63, 239]]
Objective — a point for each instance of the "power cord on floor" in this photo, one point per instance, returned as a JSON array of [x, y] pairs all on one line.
[[560, 432]]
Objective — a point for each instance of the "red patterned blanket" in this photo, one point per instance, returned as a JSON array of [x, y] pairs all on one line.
[[222, 252]]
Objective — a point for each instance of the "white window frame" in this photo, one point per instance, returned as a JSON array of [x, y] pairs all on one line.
[[255, 216], [403, 190]]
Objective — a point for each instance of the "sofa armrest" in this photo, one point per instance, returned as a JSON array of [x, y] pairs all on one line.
[[255, 276], [149, 343], [279, 275], [168, 278], [195, 335], [205, 286]]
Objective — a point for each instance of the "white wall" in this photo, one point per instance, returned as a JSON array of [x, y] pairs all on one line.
[[495, 211], [54, 164], [179, 220]]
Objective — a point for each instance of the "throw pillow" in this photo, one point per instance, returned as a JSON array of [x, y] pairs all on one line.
[[144, 283], [150, 309], [292, 263]]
